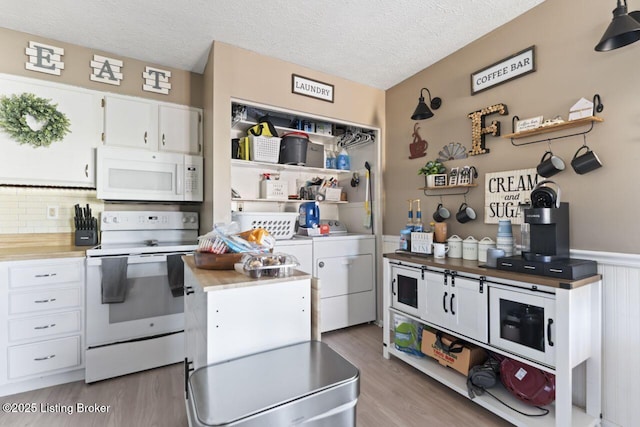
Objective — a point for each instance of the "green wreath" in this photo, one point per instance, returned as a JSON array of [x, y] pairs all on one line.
[[21, 114]]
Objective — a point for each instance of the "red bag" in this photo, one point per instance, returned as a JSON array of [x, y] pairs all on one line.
[[530, 385]]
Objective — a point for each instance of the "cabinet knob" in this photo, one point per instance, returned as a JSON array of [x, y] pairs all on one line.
[[321, 264]]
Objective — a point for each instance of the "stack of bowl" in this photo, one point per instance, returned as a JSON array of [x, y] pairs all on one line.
[[505, 237]]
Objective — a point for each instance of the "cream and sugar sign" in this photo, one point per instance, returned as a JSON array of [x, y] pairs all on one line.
[[505, 192]]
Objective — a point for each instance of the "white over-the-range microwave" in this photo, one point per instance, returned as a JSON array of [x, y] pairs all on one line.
[[142, 175]]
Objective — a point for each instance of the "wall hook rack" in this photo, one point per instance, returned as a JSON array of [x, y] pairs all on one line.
[[598, 107]]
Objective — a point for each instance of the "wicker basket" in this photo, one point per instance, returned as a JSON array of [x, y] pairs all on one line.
[[281, 225]]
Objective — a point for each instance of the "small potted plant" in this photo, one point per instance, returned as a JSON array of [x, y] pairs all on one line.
[[434, 174]]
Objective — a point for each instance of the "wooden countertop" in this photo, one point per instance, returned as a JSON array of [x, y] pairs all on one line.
[[19, 247], [217, 280], [475, 267]]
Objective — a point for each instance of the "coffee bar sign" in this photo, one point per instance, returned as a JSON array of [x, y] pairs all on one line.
[[506, 192], [516, 65]]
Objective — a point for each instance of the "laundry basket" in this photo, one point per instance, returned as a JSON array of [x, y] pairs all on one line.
[[281, 225]]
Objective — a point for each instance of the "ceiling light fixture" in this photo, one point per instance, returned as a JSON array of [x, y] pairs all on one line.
[[422, 111], [623, 30]]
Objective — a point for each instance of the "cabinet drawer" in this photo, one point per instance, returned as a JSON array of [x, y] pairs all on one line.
[[43, 300], [31, 359], [47, 274], [44, 326]]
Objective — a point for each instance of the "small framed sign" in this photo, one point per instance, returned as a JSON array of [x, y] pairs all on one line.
[[312, 88], [516, 65], [528, 124]]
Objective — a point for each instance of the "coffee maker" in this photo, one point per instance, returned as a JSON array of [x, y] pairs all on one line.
[[548, 233]]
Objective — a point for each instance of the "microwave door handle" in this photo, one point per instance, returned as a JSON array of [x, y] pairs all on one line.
[[180, 179]]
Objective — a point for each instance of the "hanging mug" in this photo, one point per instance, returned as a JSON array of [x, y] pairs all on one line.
[[441, 213], [585, 162], [465, 214], [550, 165]]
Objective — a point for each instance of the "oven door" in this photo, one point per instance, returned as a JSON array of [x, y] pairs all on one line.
[[407, 289], [522, 322], [149, 308]]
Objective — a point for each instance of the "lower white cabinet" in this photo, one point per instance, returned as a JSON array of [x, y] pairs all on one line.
[[42, 340], [345, 267], [457, 303]]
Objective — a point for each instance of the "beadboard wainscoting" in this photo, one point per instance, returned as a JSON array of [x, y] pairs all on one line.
[[621, 335]]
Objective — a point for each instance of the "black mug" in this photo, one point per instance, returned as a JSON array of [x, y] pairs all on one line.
[[550, 165], [585, 162], [441, 213], [465, 214]]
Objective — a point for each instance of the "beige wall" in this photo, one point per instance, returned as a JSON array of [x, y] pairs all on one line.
[[604, 204], [241, 74], [186, 87]]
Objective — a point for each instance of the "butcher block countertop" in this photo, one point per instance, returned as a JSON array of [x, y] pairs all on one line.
[[19, 247], [217, 280], [475, 267]]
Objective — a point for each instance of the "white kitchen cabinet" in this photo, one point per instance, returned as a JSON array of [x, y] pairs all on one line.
[[140, 123], [457, 304], [180, 129], [130, 122], [68, 163], [42, 340], [345, 267]]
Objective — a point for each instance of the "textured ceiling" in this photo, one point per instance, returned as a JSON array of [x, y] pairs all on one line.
[[375, 42]]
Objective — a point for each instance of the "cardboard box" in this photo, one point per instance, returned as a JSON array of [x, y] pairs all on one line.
[[470, 356]]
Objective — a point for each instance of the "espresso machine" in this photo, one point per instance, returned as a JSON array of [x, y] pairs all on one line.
[[545, 249]]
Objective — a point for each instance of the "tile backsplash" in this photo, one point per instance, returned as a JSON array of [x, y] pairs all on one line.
[[33, 210]]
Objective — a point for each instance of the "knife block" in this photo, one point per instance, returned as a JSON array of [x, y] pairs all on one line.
[[86, 237]]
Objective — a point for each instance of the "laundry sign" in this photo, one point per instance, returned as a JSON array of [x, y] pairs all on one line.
[[312, 88], [506, 193]]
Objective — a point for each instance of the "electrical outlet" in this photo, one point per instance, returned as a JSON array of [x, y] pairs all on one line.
[[52, 212]]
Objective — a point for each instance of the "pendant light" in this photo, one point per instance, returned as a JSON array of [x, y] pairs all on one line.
[[623, 30], [422, 111]]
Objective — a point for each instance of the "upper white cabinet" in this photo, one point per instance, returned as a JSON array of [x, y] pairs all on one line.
[[180, 129], [140, 123], [70, 162], [130, 122]]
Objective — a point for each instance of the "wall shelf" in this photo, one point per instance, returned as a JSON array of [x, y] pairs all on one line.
[[448, 190], [247, 199], [597, 108], [281, 167]]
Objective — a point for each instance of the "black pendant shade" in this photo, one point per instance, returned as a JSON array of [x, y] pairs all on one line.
[[422, 110], [623, 30]]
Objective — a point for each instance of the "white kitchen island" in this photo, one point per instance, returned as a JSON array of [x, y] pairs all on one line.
[[229, 315]]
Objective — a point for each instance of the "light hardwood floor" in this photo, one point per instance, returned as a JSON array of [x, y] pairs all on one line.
[[391, 394]]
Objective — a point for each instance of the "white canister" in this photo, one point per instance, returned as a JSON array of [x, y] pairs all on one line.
[[455, 246], [484, 244], [470, 249]]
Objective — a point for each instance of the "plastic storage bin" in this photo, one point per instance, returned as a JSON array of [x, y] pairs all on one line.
[[281, 225], [265, 148]]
